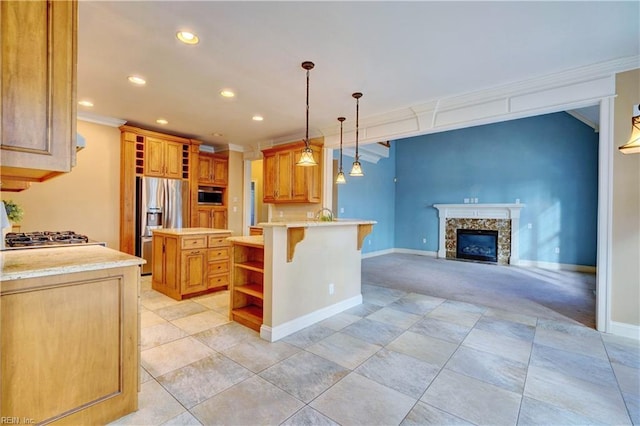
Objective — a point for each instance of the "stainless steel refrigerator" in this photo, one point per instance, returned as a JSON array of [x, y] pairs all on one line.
[[160, 203]]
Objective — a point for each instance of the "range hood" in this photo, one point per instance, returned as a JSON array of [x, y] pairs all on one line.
[[80, 142]]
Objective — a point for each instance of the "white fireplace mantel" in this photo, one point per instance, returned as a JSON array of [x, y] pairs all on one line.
[[480, 211]]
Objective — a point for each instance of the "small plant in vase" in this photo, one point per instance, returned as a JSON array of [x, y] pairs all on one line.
[[14, 211]]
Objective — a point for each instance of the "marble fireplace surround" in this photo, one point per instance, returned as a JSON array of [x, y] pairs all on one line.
[[505, 218]]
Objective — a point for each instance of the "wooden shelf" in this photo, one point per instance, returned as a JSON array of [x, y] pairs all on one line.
[[247, 285], [249, 316], [252, 289], [252, 266]]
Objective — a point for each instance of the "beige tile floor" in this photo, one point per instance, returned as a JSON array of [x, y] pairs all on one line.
[[399, 358]]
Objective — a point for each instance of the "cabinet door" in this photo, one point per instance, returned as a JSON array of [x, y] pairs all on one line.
[[173, 160], [193, 266], [269, 178], [171, 271], [157, 262], [299, 181], [154, 157], [204, 218], [204, 171], [284, 169], [37, 87], [220, 171], [220, 218]]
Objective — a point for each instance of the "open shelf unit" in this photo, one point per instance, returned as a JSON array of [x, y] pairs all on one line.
[[247, 291]]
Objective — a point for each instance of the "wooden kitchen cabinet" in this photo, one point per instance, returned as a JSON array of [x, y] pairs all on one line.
[[193, 266], [148, 153], [247, 282], [69, 340], [212, 217], [284, 182], [189, 261], [165, 264], [213, 170], [163, 158], [38, 49]]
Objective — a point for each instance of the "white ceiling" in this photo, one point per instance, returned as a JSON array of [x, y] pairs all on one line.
[[399, 54]]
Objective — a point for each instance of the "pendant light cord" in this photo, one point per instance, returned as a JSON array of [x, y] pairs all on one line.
[[357, 96], [306, 137]]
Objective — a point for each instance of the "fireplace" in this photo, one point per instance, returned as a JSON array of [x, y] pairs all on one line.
[[477, 244], [504, 219]]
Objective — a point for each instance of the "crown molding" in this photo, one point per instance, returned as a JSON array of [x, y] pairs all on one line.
[[100, 119], [574, 88]]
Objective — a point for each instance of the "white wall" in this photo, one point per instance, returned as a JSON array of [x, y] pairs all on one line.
[[625, 257]]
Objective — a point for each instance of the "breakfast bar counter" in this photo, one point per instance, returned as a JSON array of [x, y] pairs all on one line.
[[311, 272]]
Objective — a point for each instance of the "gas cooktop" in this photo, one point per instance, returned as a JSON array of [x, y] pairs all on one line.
[[45, 239]]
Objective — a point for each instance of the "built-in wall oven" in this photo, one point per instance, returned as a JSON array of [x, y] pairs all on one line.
[[210, 196]]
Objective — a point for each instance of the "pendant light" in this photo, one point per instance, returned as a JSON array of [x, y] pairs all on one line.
[[633, 146], [306, 158], [356, 168], [340, 179]]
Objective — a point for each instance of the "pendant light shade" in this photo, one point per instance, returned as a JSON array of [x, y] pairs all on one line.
[[356, 168], [340, 179], [306, 158], [633, 146]]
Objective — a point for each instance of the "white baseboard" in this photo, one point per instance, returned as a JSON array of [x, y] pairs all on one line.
[[418, 252], [377, 253], [400, 250], [625, 330], [273, 334], [557, 266]]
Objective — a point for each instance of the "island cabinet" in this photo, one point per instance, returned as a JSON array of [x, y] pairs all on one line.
[[69, 332], [213, 170], [247, 284], [190, 261], [38, 49], [284, 181]]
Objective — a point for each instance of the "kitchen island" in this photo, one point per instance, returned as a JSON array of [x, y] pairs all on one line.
[[190, 261], [311, 271], [70, 335]]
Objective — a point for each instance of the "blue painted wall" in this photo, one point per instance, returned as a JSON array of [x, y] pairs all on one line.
[[371, 197], [549, 162]]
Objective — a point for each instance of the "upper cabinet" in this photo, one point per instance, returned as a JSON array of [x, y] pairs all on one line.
[[164, 158], [213, 170], [284, 182], [38, 88]]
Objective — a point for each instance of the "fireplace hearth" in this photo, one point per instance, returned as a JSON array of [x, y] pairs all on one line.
[[477, 244]]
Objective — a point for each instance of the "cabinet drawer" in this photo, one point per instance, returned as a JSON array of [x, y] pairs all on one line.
[[218, 267], [219, 240], [218, 281], [218, 253], [199, 241]]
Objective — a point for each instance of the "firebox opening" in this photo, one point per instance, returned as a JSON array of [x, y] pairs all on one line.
[[474, 244]]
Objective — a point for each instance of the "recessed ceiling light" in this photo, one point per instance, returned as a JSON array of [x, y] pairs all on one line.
[[137, 80], [257, 118], [86, 103], [217, 135], [227, 93], [162, 121], [187, 37]]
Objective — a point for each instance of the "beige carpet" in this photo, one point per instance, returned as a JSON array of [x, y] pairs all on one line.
[[532, 291]]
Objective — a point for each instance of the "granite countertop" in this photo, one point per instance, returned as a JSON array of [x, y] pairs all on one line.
[[308, 223], [191, 231], [41, 262], [255, 240]]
